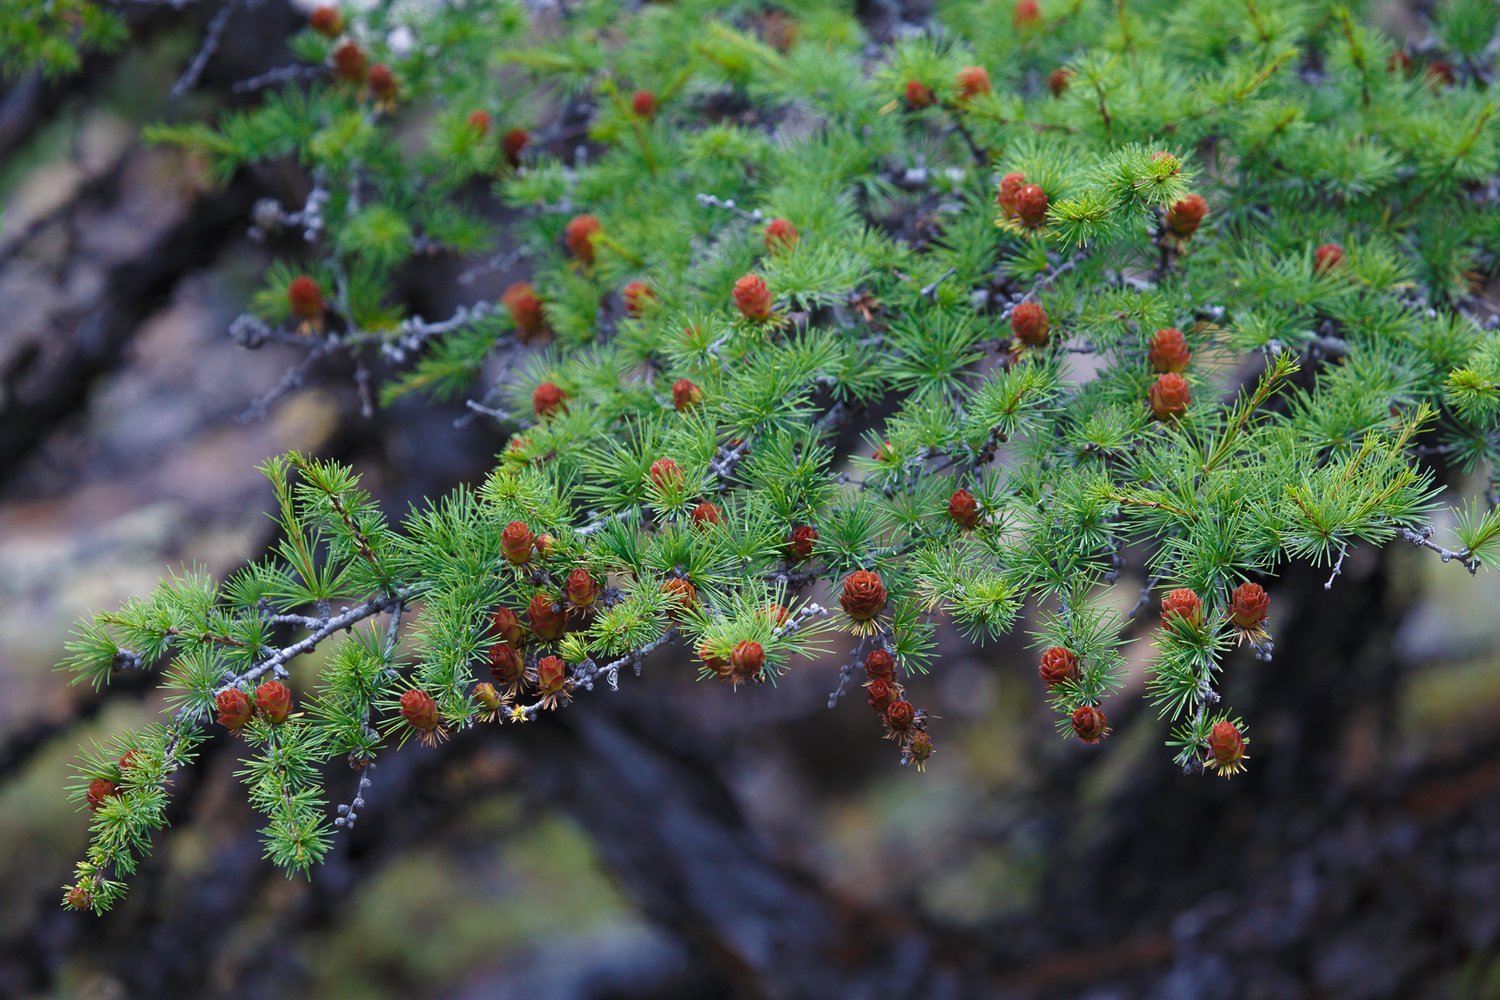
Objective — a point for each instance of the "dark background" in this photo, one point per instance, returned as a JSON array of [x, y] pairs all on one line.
[[674, 839]]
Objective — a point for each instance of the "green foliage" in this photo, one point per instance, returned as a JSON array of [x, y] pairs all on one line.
[[54, 35], [1003, 480]]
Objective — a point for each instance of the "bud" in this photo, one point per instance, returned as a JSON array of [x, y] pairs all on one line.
[[1169, 396], [638, 297], [1058, 665], [1226, 745], [382, 82], [100, 789], [487, 696], [899, 715], [515, 543], [643, 103], [1029, 322], [419, 711], [548, 399], [544, 543], [581, 589], [1031, 205], [1327, 257], [1184, 605], [546, 621], [920, 749], [326, 21], [507, 624], [963, 509], [881, 694], [972, 81], [79, 897], [1169, 351], [506, 665], [1009, 185], [305, 298], [780, 235], [274, 701], [747, 660], [800, 546], [918, 95], [578, 237], [479, 121], [680, 591], [1058, 79], [525, 311], [1248, 605], [1186, 215], [1027, 14], [880, 665], [863, 595], [666, 474], [1089, 724], [685, 394], [551, 675], [752, 297], [350, 63], [512, 143], [707, 514]]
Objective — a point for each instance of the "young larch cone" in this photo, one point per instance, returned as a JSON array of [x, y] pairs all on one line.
[[638, 297], [707, 514], [973, 81], [1169, 351], [880, 665], [1089, 724], [800, 545], [1029, 322], [880, 694], [780, 235], [305, 297], [1169, 396], [752, 298], [746, 661], [507, 624], [326, 21], [1006, 198], [666, 474], [1058, 80], [546, 621], [718, 664], [578, 237], [1226, 748], [918, 95], [1248, 606], [643, 103], [526, 313], [516, 542], [920, 748], [963, 508], [234, 709], [1058, 664], [273, 700], [1182, 605], [1186, 215], [581, 589], [350, 63], [420, 711], [551, 678], [1327, 257], [100, 790], [479, 121], [382, 82], [506, 665], [863, 595], [680, 591], [1031, 205], [547, 399], [1027, 14], [490, 699], [512, 143], [685, 394], [899, 715]]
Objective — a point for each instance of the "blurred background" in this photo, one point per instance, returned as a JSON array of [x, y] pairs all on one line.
[[674, 839]]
